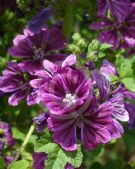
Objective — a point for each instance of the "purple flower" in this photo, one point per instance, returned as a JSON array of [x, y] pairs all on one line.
[[66, 90], [6, 135], [39, 159], [105, 93], [108, 69], [37, 23], [118, 8], [93, 122], [16, 82], [121, 94], [41, 121], [112, 30], [34, 48]]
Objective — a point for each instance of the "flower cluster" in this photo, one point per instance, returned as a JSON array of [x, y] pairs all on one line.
[[82, 104]]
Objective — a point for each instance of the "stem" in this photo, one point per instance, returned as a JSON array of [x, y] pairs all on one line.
[[24, 144], [68, 18]]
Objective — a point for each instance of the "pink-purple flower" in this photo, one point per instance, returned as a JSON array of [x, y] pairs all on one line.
[[92, 123], [66, 90], [17, 83], [120, 96], [33, 48], [115, 32]]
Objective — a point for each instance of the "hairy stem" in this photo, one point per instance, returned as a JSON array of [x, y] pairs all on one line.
[[24, 143]]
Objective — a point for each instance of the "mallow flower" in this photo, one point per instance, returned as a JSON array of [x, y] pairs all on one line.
[[17, 83], [113, 31], [75, 112], [92, 123], [33, 48], [66, 90]]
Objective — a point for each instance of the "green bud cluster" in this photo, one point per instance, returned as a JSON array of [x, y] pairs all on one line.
[[96, 50], [78, 45]]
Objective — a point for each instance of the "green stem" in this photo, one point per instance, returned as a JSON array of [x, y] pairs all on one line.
[[31, 130], [68, 18]]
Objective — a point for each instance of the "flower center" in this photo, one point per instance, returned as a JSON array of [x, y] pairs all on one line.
[[38, 53], [70, 99]]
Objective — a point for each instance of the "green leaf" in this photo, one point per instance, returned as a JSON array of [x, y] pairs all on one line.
[[58, 159], [17, 134], [22, 164], [94, 45], [105, 46], [129, 83], [101, 54], [75, 157], [2, 163], [125, 67]]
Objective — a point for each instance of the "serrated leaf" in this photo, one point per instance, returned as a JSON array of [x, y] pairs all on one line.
[[75, 157], [22, 164], [129, 83], [125, 67], [58, 159], [2, 163]]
